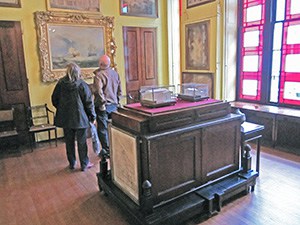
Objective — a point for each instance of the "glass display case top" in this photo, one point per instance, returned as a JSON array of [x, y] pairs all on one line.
[[157, 96], [193, 91]]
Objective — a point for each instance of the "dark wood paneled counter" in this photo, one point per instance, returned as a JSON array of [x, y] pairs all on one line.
[[281, 124], [173, 163]]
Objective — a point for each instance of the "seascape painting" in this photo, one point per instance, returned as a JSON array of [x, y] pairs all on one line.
[[75, 44], [73, 37]]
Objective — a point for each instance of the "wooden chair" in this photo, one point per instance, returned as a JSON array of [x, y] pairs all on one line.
[[8, 131], [39, 121]]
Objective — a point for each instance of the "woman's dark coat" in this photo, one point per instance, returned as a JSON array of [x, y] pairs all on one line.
[[74, 104]]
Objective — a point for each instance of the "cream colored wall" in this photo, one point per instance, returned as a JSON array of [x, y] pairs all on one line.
[[221, 64], [161, 25], [39, 91], [220, 49], [230, 49]]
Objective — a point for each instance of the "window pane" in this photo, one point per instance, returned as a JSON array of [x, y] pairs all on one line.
[[277, 41], [276, 71], [295, 7], [250, 87], [276, 59], [280, 10], [293, 34], [274, 88], [251, 63], [292, 63], [292, 90], [253, 13], [251, 38]]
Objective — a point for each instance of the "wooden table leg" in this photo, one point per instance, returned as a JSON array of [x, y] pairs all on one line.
[[242, 152], [258, 155]]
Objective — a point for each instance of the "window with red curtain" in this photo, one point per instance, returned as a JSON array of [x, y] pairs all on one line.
[[269, 52]]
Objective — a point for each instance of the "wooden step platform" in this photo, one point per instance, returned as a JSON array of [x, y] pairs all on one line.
[[203, 201]]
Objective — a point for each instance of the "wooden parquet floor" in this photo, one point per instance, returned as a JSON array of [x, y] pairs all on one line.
[[37, 188]]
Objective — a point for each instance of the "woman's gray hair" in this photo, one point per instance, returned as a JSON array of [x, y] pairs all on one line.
[[73, 72]]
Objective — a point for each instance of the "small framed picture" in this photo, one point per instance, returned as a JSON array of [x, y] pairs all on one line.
[[139, 8], [92, 6], [193, 3], [197, 45], [10, 3]]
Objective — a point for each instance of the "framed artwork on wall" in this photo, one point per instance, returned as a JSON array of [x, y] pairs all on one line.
[[10, 3], [73, 37], [200, 78], [193, 3], [139, 8], [197, 46], [74, 5]]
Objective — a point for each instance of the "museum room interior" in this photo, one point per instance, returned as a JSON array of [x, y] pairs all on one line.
[[207, 127]]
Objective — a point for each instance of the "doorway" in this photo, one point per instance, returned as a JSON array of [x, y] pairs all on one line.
[[140, 54], [13, 78]]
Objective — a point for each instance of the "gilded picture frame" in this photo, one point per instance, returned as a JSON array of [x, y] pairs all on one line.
[[73, 37], [10, 3], [139, 8], [194, 3], [92, 6], [197, 52]]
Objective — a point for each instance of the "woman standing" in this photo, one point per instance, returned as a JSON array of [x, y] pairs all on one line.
[[74, 105]]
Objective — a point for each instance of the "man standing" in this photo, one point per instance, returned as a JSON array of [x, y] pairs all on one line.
[[107, 90]]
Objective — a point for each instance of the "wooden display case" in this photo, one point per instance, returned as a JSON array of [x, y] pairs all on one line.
[[167, 166]]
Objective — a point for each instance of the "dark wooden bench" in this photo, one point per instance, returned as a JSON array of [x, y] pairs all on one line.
[[8, 131], [281, 125]]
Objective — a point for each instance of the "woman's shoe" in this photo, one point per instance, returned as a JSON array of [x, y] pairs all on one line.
[[89, 165]]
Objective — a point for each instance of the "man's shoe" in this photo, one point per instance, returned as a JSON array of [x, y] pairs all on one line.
[[89, 165], [72, 166], [102, 154]]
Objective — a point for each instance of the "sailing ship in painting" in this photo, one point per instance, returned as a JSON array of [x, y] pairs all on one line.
[[84, 60], [81, 45], [92, 50], [74, 52]]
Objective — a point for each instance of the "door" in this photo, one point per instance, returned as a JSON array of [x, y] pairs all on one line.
[[13, 79], [140, 59]]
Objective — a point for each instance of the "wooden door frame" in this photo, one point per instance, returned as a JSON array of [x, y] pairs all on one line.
[[140, 59]]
